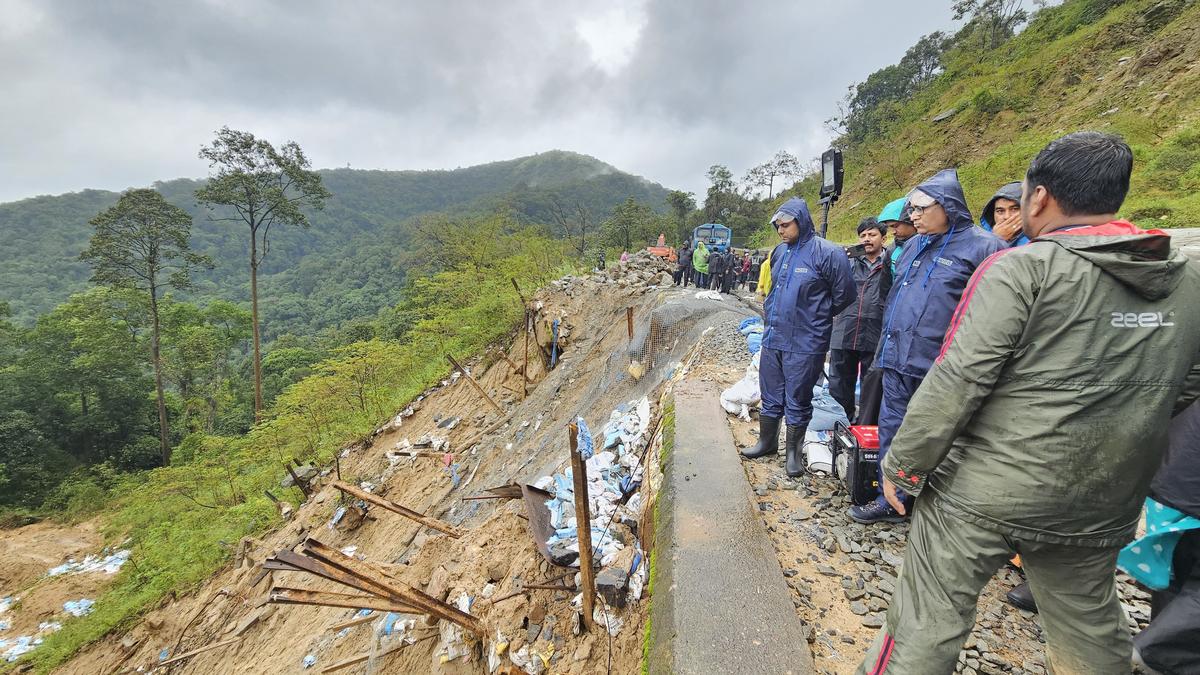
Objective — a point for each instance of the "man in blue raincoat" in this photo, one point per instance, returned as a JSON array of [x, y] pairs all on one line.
[[811, 281], [930, 278]]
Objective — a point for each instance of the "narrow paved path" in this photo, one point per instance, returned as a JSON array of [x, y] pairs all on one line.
[[720, 604]]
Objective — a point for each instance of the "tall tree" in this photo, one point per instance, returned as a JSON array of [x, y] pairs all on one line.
[[261, 186], [783, 165], [720, 188], [631, 222], [994, 21], [681, 203], [142, 244]]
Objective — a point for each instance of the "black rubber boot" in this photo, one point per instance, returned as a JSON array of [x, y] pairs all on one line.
[[795, 460], [768, 439], [1021, 597]]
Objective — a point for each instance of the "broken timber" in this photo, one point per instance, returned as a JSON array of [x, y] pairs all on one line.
[[475, 384], [583, 518], [301, 596], [353, 660], [382, 503], [381, 583]]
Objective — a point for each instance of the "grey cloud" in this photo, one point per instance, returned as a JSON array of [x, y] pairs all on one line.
[[112, 94]]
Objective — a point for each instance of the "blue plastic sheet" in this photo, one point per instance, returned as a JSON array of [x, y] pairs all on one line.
[[584, 439]]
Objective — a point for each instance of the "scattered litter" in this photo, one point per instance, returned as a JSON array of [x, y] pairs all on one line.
[[6, 602], [349, 551], [818, 448], [708, 295], [162, 655], [606, 616], [309, 661], [737, 399], [109, 564], [80, 607], [453, 638]]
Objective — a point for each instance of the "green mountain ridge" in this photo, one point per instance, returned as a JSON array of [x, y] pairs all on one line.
[[348, 265]]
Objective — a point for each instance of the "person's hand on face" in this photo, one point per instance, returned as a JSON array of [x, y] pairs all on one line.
[[1008, 219]]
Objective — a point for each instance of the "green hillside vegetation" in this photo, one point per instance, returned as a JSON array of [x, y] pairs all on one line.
[[180, 519], [351, 263], [1125, 67]]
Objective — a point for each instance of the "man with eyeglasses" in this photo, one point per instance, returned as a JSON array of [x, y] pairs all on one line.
[[930, 278], [811, 281]]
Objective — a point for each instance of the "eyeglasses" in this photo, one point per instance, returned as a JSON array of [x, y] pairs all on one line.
[[916, 210]]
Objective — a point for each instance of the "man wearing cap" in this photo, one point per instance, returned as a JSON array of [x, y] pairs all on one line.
[[1089, 337], [894, 217], [930, 278], [811, 281], [856, 330]]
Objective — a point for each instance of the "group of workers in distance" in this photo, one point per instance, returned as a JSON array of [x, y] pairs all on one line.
[[1030, 368], [718, 270]]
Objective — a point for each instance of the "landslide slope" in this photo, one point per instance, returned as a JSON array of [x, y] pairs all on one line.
[[1131, 68]]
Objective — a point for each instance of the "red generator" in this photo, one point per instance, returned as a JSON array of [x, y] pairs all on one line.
[[856, 460]]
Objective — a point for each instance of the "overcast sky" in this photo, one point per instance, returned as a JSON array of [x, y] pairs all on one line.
[[123, 93]]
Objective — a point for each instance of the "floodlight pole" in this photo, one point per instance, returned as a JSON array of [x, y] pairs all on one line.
[[826, 202]]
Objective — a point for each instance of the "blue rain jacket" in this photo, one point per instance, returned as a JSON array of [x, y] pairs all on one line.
[[811, 281], [931, 274]]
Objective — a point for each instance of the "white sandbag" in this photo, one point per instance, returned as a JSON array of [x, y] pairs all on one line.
[[818, 450]]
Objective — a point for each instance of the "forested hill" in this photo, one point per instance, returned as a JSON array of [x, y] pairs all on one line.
[[347, 266], [986, 99]]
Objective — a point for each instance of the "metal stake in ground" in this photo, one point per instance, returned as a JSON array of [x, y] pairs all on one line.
[[475, 384], [583, 520], [629, 322]]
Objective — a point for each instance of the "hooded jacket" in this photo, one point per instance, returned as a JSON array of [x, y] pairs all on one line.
[[1010, 191], [930, 277], [1090, 337], [684, 261], [717, 263], [700, 258], [893, 211], [858, 327], [811, 281]]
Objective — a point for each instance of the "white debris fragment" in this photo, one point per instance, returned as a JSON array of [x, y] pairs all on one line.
[[109, 564]]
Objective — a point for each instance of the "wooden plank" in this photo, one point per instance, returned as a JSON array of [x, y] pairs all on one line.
[[584, 526], [354, 660], [194, 652], [475, 384], [325, 571], [379, 579], [356, 621], [432, 523]]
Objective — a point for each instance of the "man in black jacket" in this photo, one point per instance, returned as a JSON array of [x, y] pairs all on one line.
[[856, 330], [717, 264]]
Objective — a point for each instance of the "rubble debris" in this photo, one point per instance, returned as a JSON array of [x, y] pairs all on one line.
[[109, 563], [80, 607]]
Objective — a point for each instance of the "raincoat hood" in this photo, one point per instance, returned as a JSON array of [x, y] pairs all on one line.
[[1007, 191], [947, 191], [798, 209], [1142, 260], [893, 211]]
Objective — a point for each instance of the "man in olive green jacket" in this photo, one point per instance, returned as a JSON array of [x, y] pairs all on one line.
[[1043, 420]]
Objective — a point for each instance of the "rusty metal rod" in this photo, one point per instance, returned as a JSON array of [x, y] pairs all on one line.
[[432, 523], [629, 322], [584, 521], [321, 569], [475, 384], [380, 580], [303, 596]]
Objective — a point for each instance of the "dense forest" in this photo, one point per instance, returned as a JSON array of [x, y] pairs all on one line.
[[349, 264]]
